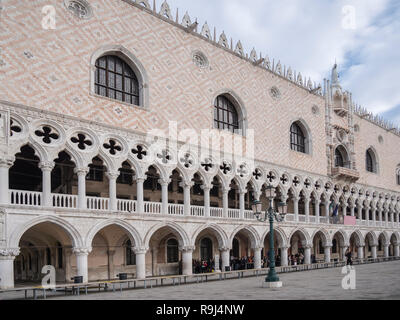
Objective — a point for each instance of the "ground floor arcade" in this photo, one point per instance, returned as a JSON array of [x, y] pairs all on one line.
[[144, 249]]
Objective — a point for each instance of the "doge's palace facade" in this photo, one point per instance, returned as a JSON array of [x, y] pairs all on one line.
[[112, 157]]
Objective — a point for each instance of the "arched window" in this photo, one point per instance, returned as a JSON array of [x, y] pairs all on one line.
[[225, 115], [339, 162], [341, 158], [398, 175], [206, 249], [130, 255], [115, 79], [370, 159], [297, 138], [172, 251]]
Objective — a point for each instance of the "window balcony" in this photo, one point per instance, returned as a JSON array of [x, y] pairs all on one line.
[[345, 173]]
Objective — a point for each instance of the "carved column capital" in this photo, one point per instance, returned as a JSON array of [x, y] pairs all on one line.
[[187, 248], [81, 251], [9, 253], [81, 171], [140, 250], [47, 165]]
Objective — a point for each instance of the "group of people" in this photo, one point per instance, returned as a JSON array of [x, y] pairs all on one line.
[[203, 266], [243, 263]]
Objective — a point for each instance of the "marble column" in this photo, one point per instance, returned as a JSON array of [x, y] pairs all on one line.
[[327, 204], [82, 173], [7, 257], [380, 214], [206, 190], [307, 254], [140, 262], [82, 262], [225, 258], [373, 251], [296, 208], [225, 203], [112, 185], [374, 215], [186, 196], [327, 252], [242, 193], [5, 166], [139, 195], [284, 256], [386, 250], [164, 195], [111, 273], [317, 210], [359, 207], [47, 168], [257, 258], [187, 261], [360, 251], [307, 208]]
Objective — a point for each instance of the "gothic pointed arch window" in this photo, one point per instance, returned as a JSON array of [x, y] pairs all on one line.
[[115, 79], [370, 161], [226, 116], [299, 138]]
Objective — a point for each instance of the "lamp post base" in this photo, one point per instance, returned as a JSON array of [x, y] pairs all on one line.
[[272, 285]]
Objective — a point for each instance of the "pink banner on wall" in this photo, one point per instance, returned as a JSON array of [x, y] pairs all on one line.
[[350, 221]]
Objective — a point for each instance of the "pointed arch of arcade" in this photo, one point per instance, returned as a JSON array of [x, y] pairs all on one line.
[[217, 231], [343, 239], [306, 237], [250, 232], [371, 236], [325, 235], [175, 228], [283, 241], [133, 235], [358, 236], [70, 230]]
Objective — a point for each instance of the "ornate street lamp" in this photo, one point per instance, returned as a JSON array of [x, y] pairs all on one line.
[[272, 280]]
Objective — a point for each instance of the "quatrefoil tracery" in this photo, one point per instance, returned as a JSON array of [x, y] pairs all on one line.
[[257, 174], [187, 160], [81, 141], [207, 164], [113, 147], [140, 152], [47, 134], [164, 156], [226, 167]]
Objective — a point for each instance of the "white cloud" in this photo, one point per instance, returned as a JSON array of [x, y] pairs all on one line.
[[309, 36]]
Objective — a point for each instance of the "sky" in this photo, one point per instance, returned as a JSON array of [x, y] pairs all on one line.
[[362, 36]]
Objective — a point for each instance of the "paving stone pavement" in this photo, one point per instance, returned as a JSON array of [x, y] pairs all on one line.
[[379, 281]]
